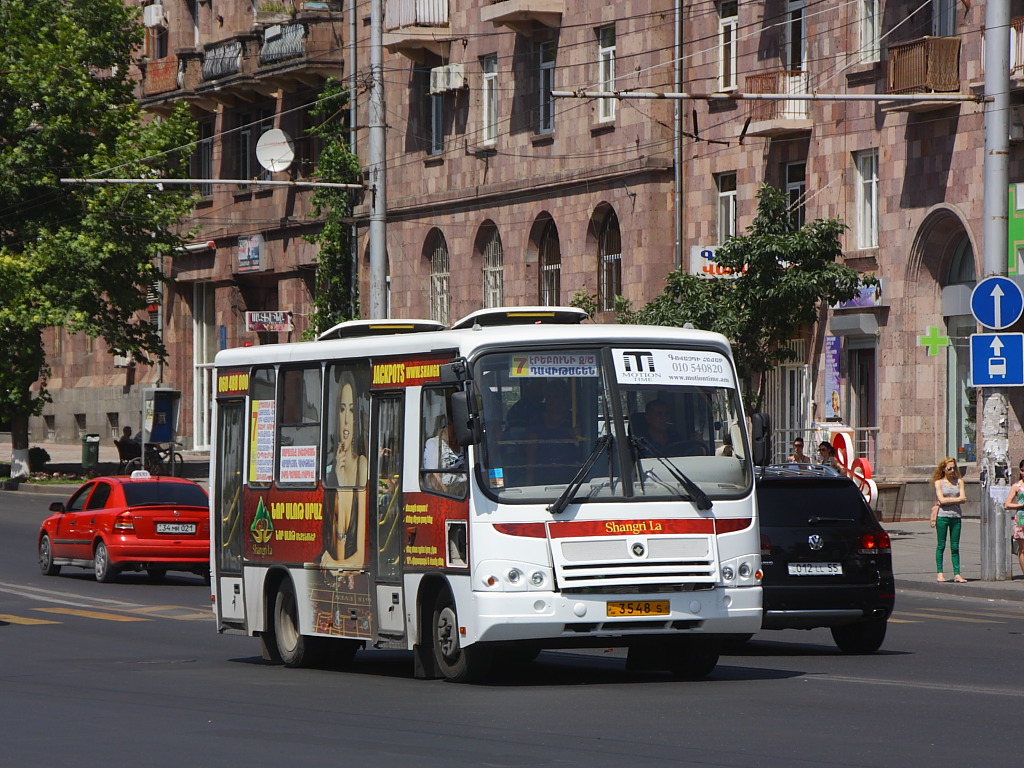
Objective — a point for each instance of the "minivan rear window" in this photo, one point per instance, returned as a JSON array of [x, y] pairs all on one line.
[[176, 494], [793, 504]]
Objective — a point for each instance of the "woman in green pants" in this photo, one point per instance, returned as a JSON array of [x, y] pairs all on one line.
[[947, 515]]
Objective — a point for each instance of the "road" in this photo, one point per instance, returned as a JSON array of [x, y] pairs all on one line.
[[101, 674]]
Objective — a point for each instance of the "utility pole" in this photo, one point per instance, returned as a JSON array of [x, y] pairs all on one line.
[[378, 184], [993, 428]]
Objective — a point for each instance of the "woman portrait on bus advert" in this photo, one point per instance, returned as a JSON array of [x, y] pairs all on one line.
[[347, 471]]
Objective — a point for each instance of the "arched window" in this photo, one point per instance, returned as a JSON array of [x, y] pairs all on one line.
[[440, 298], [550, 266], [494, 269], [961, 427], [610, 263]]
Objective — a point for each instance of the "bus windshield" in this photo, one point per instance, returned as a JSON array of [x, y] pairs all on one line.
[[645, 422]]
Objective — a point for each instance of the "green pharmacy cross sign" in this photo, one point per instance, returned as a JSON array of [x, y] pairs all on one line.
[[934, 340]]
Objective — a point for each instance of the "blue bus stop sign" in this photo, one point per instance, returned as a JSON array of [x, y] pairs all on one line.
[[997, 359], [997, 302]]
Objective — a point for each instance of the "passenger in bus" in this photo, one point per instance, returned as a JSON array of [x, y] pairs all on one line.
[[439, 455], [348, 472], [553, 438], [658, 428]]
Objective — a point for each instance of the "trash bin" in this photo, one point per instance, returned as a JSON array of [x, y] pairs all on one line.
[[90, 451]]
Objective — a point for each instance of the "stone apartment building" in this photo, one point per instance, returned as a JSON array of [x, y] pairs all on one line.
[[499, 194]]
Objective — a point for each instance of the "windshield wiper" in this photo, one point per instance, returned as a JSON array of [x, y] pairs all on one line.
[[700, 499], [604, 442], [814, 520]]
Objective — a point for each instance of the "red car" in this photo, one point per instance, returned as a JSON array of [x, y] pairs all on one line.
[[112, 524]]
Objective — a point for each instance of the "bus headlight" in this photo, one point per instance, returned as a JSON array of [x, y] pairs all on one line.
[[537, 578], [728, 574], [514, 575], [744, 570]]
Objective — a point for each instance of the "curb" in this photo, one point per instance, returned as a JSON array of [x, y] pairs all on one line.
[[990, 590]]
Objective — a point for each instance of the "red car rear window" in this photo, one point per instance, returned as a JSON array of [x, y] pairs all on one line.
[[177, 494]]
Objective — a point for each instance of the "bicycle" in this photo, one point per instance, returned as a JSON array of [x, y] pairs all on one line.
[[160, 459]]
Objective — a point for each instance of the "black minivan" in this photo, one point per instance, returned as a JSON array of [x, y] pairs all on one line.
[[826, 560]]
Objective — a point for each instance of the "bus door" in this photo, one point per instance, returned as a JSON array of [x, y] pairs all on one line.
[[228, 528], [386, 500]]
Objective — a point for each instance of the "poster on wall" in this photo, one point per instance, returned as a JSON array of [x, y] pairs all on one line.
[[833, 402]]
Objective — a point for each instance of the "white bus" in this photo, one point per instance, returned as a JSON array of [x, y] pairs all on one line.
[[519, 482]]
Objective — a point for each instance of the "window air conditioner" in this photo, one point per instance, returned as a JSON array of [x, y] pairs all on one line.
[[438, 80], [153, 16], [456, 76]]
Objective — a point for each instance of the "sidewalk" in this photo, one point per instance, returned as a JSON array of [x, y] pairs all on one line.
[[913, 541]]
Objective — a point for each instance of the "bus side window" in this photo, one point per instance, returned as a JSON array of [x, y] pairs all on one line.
[[442, 463], [299, 426]]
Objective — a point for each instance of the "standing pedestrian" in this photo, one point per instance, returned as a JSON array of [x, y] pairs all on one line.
[[1015, 503], [947, 515]]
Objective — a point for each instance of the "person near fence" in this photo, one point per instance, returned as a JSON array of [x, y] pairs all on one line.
[[799, 457], [947, 515], [1015, 503]]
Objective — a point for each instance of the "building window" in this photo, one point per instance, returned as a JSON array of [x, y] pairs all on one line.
[[961, 397], [867, 199], [944, 17], [203, 158], [204, 348], [436, 137], [250, 127], [870, 30], [494, 267], [157, 43], [606, 70], [546, 84], [550, 266], [727, 18], [796, 42], [726, 183], [440, 298], [610, 264], [489, 128], [796, 191]]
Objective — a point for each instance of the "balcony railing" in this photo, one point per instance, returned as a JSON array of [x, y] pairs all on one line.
[[222, 60], [781, 81], [287, 42], [415, 13], [925, 65]]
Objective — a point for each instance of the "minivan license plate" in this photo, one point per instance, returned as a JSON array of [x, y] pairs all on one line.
[[815, 569], [175, 527]]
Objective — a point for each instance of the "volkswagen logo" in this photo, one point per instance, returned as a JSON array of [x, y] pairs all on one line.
[[815, 542], [638, 549]]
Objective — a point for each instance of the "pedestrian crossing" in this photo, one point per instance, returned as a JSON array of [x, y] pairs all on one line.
[[62, 606]]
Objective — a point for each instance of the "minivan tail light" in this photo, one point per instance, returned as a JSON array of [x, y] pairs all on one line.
[[872, 543], [766, 546], [123, 523]]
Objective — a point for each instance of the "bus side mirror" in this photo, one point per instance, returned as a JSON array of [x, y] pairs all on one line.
[[455, 372], [761, 429], [466, 423]]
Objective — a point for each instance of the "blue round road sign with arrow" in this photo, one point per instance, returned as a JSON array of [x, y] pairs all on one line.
[[997, 302]]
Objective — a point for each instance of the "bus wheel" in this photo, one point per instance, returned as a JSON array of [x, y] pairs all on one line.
[[295, 649], [694, 657], [456, 663]]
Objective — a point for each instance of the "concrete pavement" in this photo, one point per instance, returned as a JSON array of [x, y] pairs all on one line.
[[913, 541]]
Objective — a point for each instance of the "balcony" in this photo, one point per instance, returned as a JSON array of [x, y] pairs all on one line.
[[524, 16], [304, 52], [414, 27], [925, 65], [778, 117], [1017, 52]]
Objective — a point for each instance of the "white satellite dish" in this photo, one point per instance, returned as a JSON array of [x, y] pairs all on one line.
[[275, 150]]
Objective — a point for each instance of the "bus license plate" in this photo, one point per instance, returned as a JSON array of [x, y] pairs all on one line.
[[637, 608], [175, 527], [815, 569]]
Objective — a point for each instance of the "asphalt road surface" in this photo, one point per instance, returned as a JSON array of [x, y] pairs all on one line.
[[134, 673]]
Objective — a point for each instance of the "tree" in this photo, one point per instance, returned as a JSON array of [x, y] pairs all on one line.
[[785, 276], [336, 297], [78, 257]]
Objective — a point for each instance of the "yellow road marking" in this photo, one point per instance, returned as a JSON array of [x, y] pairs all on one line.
[[23, 620], [903, 621], [951, 618], [979, 613], [179, 612], [91, 614]]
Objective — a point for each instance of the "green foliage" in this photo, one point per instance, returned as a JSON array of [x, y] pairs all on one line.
[[78, 256], [787, 276], [336, 297]]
